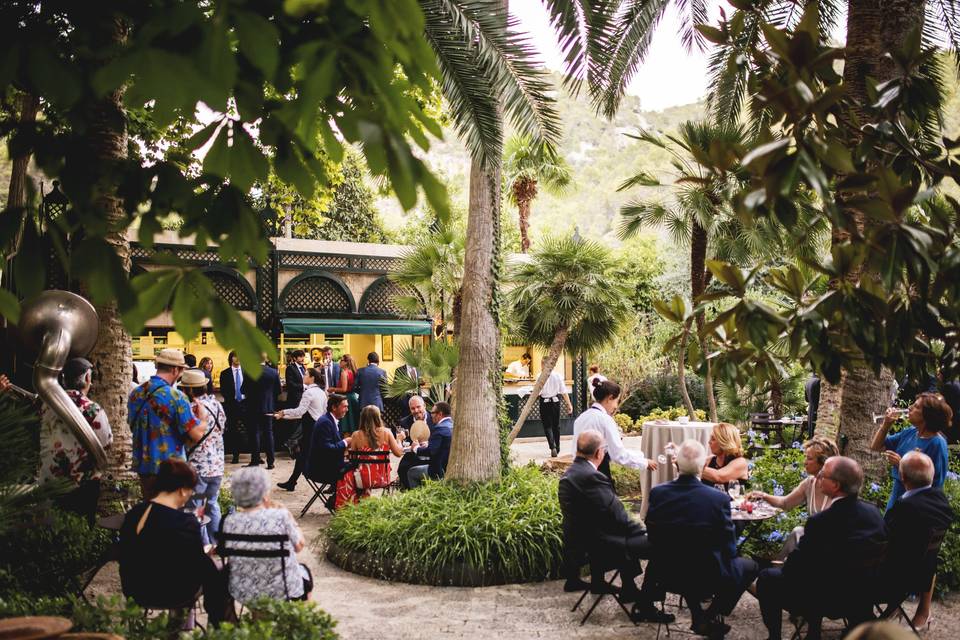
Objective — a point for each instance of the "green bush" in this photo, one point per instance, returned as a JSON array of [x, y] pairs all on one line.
[[492, 533], [663, 390], [46, 553], [948, 575], [225, 498], [267, 619], [626, 423], [626, 480], [699, 415]]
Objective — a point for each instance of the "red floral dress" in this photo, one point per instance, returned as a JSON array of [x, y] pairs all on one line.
[[356, 484]]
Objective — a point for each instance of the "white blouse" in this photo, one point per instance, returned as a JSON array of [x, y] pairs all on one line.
[[313, 401], [596, 418]]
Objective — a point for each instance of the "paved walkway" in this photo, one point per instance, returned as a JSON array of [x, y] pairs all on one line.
[[368, 608]]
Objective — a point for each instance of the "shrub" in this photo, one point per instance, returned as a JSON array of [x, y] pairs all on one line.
[[948, 575], [668, 414], [480, 534], [626, 423], [626, 480], [225, 498], [775, 471], [663, 390], [267, 619], [46, 553]]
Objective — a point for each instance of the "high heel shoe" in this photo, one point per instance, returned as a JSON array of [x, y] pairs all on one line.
[[922, 630]]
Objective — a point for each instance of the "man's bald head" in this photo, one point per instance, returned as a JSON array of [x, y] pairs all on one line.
[[589, 444], [916, 470], [845, 473], [417, 407]]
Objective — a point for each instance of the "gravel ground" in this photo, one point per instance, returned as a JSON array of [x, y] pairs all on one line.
[[368, 608]]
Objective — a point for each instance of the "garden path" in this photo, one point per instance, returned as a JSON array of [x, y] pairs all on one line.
[[368, 608]]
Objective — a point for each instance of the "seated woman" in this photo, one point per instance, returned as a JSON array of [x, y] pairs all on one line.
[[815, 454], [727, 463], [162, 561], [372, 435], [251, 577]]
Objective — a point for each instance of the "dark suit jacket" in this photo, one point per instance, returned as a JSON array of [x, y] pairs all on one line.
[[910, 522], [325, 459], [688, 504], [335, 379], [228, 389], [951, 393], [294, 380], [407, 422], [438, 448], [404, 400], [593, 517], [367, 385], [827, 566], [811, 392]]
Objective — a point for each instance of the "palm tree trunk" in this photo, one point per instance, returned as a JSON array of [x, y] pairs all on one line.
[[698, 284], [546, 368], [523, 206], [475, 450], [874, 27], [776, 398], [29, 104], [106, 145]]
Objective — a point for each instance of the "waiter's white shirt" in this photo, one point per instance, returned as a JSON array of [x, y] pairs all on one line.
[[553, 387], [517, 369], [313, 401], [596, 418]]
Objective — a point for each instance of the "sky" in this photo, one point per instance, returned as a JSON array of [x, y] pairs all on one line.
[[669, 76]]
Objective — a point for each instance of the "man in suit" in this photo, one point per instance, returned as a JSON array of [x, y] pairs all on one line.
[[911, 523], [833, 563], [262, 404], [438, 447], [595, 523], [687, 505], [293, 376], [325, 461], [369, 379], [404, 400], [811, 392], [417, 410], [331, 369], [235, 387]]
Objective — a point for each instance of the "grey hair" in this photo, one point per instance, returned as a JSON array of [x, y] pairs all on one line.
[[848, 474], [78, 382], [417, 399], [916, 470], [249, 486], [588, 442], [691, 456]]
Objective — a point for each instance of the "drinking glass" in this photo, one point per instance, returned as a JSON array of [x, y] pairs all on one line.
[[661, 459], [733, 489]]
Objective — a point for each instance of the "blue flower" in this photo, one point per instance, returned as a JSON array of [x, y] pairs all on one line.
[[952, 476], [741, 540], [874, 487], [751, 464], [796, 445], [775, 536], [777, 490], [751, 433]]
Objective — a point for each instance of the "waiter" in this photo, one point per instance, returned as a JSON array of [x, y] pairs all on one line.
[[519, 368], [553, 393]]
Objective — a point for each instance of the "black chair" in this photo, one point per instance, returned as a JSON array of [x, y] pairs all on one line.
[[599, 567], [325, 490], [182, 615], [900, 582], [378, 461], [321, 481], [280, 551]]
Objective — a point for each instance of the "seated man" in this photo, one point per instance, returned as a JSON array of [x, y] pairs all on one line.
[[438, 448], [911, 522], [326, 461], [687, 506], [418, 411], [595, 522], [832, 564]]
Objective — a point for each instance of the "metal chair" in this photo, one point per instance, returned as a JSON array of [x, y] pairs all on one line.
[[916, 583]]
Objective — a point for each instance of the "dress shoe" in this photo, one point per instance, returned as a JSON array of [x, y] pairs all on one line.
[[649, 613], [576, 584], [287, 486], [711, 629], [553, 452], [330, 503], [269, 466], [235, 460], [253, 464]]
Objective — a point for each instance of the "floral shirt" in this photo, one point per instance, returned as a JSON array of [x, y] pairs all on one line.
[[160, 418], [254, 577], [62, 456], [207, 458]]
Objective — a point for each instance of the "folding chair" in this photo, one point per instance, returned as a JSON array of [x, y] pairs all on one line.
[[597, 569], [918, 582], [372, 469], [321, 489], [277, 549], [183, 615]]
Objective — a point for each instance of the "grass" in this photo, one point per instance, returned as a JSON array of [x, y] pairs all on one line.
[[442, 533]]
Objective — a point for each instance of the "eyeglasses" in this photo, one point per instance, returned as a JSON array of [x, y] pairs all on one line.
[[822, 476]]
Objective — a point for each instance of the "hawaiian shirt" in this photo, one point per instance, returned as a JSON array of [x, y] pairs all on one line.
[[160, 418], [207, 458], [62, 456]]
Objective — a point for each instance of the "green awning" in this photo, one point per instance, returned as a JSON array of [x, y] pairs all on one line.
[[379, 327]]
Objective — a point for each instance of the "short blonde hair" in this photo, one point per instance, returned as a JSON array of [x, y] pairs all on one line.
[[728, 437], [823, 448]]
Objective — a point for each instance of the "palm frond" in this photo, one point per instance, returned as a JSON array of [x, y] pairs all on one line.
[[586, 32], [941, 26]]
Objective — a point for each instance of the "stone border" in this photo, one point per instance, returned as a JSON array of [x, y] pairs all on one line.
[[391, 569]]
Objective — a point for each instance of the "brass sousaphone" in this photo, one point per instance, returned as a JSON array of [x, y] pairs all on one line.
[[57, 326]]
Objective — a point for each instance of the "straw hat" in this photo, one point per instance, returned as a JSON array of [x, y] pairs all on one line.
[[419, 431], [193, 378], [171, 358]]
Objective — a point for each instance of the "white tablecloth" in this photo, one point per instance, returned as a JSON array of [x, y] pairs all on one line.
[[656, 435]]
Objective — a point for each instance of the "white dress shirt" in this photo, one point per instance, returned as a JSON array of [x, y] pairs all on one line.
[[554, 387], [313, 401], [596, 418], [516, 368]]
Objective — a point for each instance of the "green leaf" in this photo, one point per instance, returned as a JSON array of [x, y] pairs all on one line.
[[55, 80], [766, 152], [190, 303], [712, 34], [9, 306], [153, 290], [290, 169], [235, 333], [674, 311], [217, 160], [247, 162], [202, 136], [259, 41], [728, 274]]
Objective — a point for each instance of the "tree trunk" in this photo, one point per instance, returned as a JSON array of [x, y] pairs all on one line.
[[523, 206], [776, 398], [556, 348], [475, 450], [29, 104], [698, 284], [874, 27], [112, 358], [682, 370]]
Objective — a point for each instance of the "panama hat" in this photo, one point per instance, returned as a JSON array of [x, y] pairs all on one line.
[[171, 358], [193, 378], [419, 431]]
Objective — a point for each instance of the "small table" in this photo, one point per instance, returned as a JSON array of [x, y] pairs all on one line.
[[777, 425], [762, 511], [655, 437]]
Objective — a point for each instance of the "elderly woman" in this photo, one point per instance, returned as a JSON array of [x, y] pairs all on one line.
[[929, 415], [162, 560], [727, 463], [815, 454], [250, 577]]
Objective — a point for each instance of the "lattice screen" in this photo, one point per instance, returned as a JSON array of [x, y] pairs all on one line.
[[380, 298], [231, 291], [316, 295]]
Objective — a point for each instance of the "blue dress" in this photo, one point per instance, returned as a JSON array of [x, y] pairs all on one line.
[[909, 440]]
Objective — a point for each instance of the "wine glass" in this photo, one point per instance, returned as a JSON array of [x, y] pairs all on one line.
[[661, 459], [733, 490]]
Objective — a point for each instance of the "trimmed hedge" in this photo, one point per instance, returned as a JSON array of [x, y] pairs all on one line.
[[448, 535]]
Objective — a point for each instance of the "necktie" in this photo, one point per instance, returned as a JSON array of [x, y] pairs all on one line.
[[302, 372], [237, 383], [330, 380]]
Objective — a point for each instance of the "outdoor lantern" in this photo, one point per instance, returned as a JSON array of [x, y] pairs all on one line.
[[53, 204]]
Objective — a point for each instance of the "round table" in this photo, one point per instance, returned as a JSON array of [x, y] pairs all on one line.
[[761, 511], [655, 437]]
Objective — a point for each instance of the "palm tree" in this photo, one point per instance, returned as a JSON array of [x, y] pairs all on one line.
[[526, 168], [566, 298], [436, 364]]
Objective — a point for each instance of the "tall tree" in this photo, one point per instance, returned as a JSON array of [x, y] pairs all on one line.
[[567, 298], [528, 167]]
